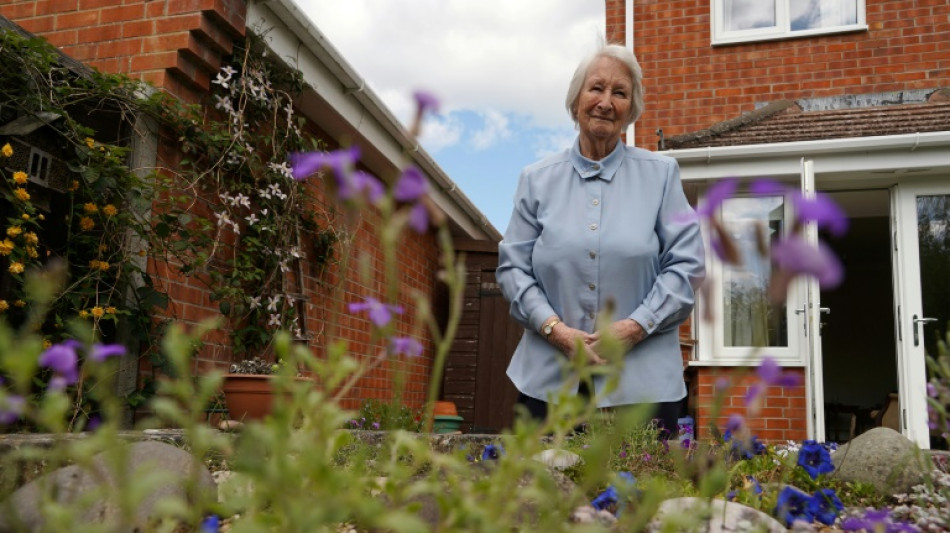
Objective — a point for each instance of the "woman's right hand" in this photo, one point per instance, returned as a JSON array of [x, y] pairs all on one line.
[[574, 342]]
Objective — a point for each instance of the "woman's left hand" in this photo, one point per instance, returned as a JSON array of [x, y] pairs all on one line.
[[627, 331]]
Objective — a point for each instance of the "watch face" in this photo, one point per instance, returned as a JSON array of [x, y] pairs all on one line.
[[548, 329]]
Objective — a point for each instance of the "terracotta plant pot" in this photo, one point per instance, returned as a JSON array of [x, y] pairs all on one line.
[[444, 408], [249, 396]]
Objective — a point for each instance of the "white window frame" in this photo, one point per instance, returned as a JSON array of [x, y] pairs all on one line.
[[710, 337], [782, 28]]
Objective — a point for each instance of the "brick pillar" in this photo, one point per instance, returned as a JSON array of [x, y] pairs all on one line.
[[616, 24], [176, 45]]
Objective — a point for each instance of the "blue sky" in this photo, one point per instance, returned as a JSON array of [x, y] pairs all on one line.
[[500, 68]]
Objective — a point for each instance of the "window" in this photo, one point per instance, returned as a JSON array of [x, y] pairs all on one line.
[[759, 20], [746, 325]]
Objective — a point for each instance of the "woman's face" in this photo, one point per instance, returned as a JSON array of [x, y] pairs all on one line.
[[603, 106]]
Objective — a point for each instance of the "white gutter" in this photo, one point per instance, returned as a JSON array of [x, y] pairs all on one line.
[[854, 154], [355, 109], [628, 36]]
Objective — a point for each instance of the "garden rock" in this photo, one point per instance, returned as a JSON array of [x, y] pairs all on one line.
[[712, 516], [558, 459], [884, 458], [72, 484]]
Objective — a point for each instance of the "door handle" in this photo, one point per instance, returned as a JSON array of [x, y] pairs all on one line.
[[825, 310], [924, 320]]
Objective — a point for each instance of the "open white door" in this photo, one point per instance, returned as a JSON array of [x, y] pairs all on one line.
[[921, 270], [811, 312]]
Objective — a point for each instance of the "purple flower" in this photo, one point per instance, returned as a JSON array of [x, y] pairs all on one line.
[[767, 187], [359, 182], [405, 345], [734, 423], [795, 256], [771, 374], [305, 164], [931, 390], [717, 194], [877, 520], [100, 352], [379, 313], [62, 360], [815, 459], [426, 101], [792, 505], [822, 210], [11, 408], [825, 506], [419, 218], [375, 425], [410, 186]]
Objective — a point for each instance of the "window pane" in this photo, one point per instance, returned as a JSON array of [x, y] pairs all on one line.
[[811, 14], [748, 14], [748, 317]]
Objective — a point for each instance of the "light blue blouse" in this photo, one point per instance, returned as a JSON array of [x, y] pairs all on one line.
[[585, 232]]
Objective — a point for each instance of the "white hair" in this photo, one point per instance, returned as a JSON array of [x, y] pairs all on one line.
[[625, 56]]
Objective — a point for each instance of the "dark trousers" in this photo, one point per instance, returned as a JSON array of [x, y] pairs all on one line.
[[666, 414]]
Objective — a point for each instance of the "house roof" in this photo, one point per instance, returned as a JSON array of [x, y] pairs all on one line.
[[785, 121]]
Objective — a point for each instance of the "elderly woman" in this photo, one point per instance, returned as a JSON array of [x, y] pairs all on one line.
[[602, 228]]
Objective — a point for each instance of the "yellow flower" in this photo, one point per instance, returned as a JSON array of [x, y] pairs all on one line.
[[103, 266], [97, 312], [142, 252], [19, 303], [16, 267], [6, 247], [90, 142], [7, 150], [103, 247], [90, 207], [74, 185], [31, 238], [94, 264], [25, 216], [4, 305], [47, 343], [21, 194], [109, 210], [20, 177], [111, 310], [87, 223], [41, 217], [84, 314], [13, 231], [31, 251]]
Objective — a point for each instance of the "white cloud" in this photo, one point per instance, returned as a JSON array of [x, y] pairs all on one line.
[[440, 132], [495, 129], [552, 141], [508, 56]]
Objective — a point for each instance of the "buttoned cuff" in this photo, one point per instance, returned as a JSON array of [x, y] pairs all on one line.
[[539, 317], [647, 320]]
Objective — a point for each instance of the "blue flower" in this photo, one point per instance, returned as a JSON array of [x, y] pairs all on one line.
[[492, 452], [379, 313], [792, 505], [825, 506], [606, 500], [815, 459], [11, 408], [210, 524], [877, 521]]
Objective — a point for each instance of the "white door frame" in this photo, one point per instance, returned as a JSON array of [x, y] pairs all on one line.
[[911, 363], [811, 314]]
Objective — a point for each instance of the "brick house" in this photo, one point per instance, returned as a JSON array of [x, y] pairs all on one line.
[[848, 98], [178, 46]]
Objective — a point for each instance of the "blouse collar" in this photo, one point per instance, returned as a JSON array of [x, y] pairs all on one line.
[[603, 169]]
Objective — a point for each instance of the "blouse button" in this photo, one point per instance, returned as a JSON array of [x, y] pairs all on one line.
[[591, 286], [590, 315], [593, 227], [596, 201], [593, 254]]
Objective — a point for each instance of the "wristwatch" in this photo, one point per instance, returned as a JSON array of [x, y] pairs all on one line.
[[548, 328]]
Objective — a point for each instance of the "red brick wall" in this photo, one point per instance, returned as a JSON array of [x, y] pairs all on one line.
[[691, 85], [178, 46], [781, 415]]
